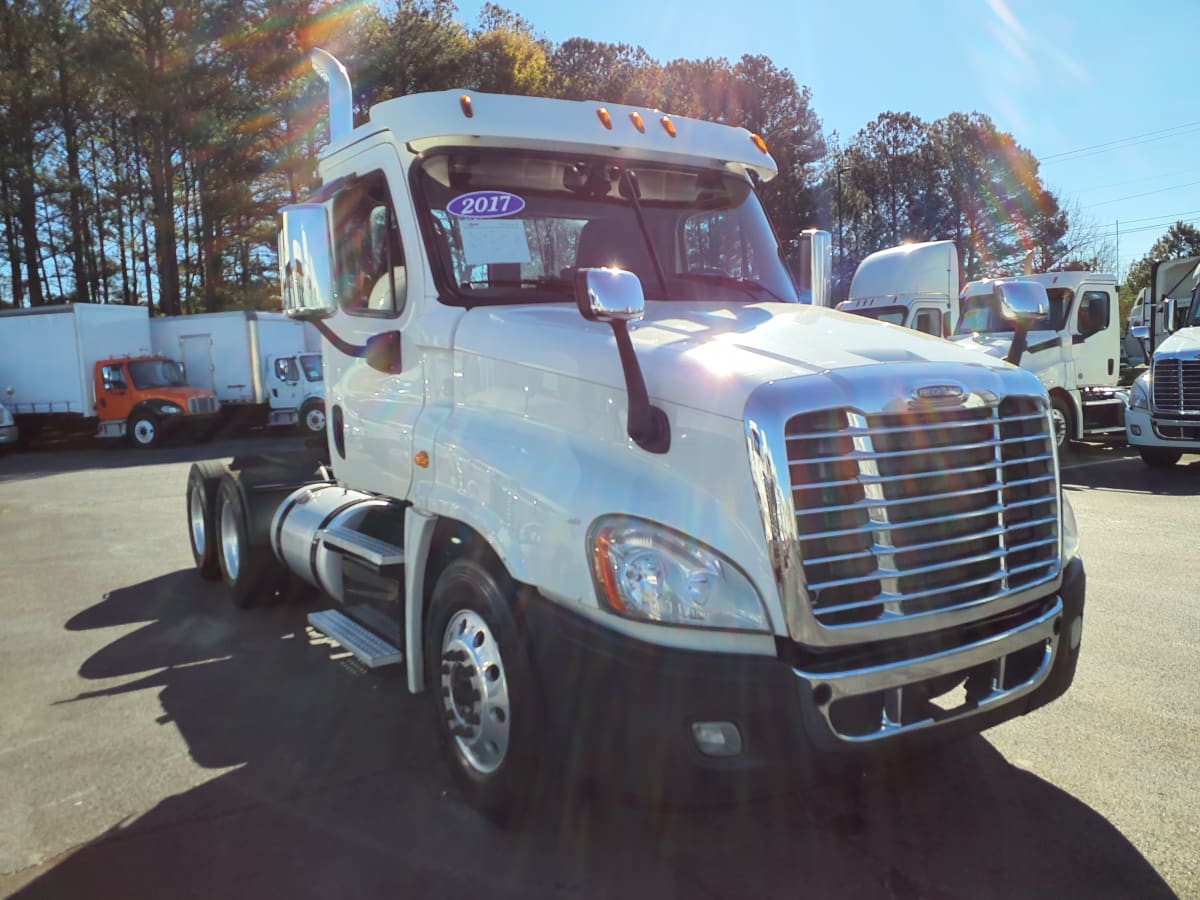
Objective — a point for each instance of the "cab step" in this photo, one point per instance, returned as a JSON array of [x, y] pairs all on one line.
[[372, 650], [385, 558]]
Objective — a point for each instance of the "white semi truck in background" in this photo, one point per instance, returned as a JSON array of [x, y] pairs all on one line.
[[91, 367], [915, 285], [617, 500], [1163, 418], [1075, 350], [257, 363]]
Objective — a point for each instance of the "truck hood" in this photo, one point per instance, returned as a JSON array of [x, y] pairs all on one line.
[[1185, 342], [179, 395], [707, 357]]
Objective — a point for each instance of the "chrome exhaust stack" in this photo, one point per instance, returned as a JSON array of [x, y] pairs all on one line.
[[341, 98]]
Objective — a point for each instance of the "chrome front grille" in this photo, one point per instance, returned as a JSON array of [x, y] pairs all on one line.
[[900, 515], [1176, 385], [203, 405]]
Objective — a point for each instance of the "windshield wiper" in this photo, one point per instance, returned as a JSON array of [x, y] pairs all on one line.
[[754, 288]]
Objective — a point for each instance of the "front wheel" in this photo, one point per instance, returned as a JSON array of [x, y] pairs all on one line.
[[1062, 418], [483, 689], [1159, 457], [144, 430], [312, 417]]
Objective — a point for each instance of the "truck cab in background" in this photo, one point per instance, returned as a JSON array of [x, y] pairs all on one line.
[[1163, 416], [914, 285], [1074, 349]]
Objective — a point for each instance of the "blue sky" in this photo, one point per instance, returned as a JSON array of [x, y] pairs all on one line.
[[1061, 75]]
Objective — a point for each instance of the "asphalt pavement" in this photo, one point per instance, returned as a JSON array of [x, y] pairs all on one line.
[[156, 742]]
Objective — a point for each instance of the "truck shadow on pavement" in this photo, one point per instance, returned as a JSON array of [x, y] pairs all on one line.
[[339, 791]]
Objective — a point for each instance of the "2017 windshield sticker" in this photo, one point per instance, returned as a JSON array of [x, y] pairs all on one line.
[[485, 205]]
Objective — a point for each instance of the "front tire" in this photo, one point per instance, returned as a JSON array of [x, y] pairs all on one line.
[[144, 430], [1159, 457], [312, 417], [204, 479], [250, 571], [1062, 416], [484, 692]]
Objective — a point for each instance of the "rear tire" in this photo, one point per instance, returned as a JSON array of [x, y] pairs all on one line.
[[1159, 457], [204, 478], [484, 694], [250, 571]]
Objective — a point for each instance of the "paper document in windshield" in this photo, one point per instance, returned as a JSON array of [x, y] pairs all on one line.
[[487, 241]]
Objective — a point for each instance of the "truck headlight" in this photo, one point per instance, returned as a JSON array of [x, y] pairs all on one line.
[[170, 409], [648, 572], [1070, 531], [1139, 392]]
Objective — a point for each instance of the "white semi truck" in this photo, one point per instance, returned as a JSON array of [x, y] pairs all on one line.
[[1163, 418], [619, 503], [1075, 350], [915, 285], [257, 363]]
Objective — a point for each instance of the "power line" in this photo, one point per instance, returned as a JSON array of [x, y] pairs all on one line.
[[1120, 141], [1173, 187], [1105, 187], [1164, 217]]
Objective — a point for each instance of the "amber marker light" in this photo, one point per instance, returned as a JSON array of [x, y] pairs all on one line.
[[604, 117], [422, 460], [636, 119], [759, 142], [465, 102], [668, 125]]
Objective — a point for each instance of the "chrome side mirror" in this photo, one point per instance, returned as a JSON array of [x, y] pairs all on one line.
[[306, 261], [1022, 301], [609, 295]]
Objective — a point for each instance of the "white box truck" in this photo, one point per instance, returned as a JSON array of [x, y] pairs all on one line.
[[620, 502], [87, 365], [256, 363]]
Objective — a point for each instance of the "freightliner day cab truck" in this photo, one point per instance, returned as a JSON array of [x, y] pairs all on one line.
[[914, 285], [1075, 350], [88, 365], [617, 502], [256, 363], [1163, 418]]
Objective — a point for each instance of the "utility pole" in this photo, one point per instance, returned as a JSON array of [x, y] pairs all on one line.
[[1118, 272]]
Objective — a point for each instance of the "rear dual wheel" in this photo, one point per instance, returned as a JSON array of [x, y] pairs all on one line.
[[251, 573]]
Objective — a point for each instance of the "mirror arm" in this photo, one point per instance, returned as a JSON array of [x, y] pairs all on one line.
[[381, 351], [1019, 342], [648, 425]]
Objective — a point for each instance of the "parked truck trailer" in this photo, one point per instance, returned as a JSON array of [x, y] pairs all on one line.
[[618, 502], [257, 364], [91, 366]]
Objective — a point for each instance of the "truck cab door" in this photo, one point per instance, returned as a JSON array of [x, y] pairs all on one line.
[[115, 396], [1095, 342], [928, 318], [283, 376], [372, 408]]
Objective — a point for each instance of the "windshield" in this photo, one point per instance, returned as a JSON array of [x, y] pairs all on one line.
[[311, 364], [152, 373], [513, 226], [893, 314], [981, 313]]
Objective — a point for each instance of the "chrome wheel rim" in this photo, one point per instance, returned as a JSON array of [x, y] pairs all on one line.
[[143, 431], [314, 420], [231, 551], [1060, 426], [196, 516], [474, 690]]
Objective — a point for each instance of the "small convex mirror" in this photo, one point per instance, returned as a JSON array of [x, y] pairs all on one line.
[[306, 261], [609, 295], [1021, 301]]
